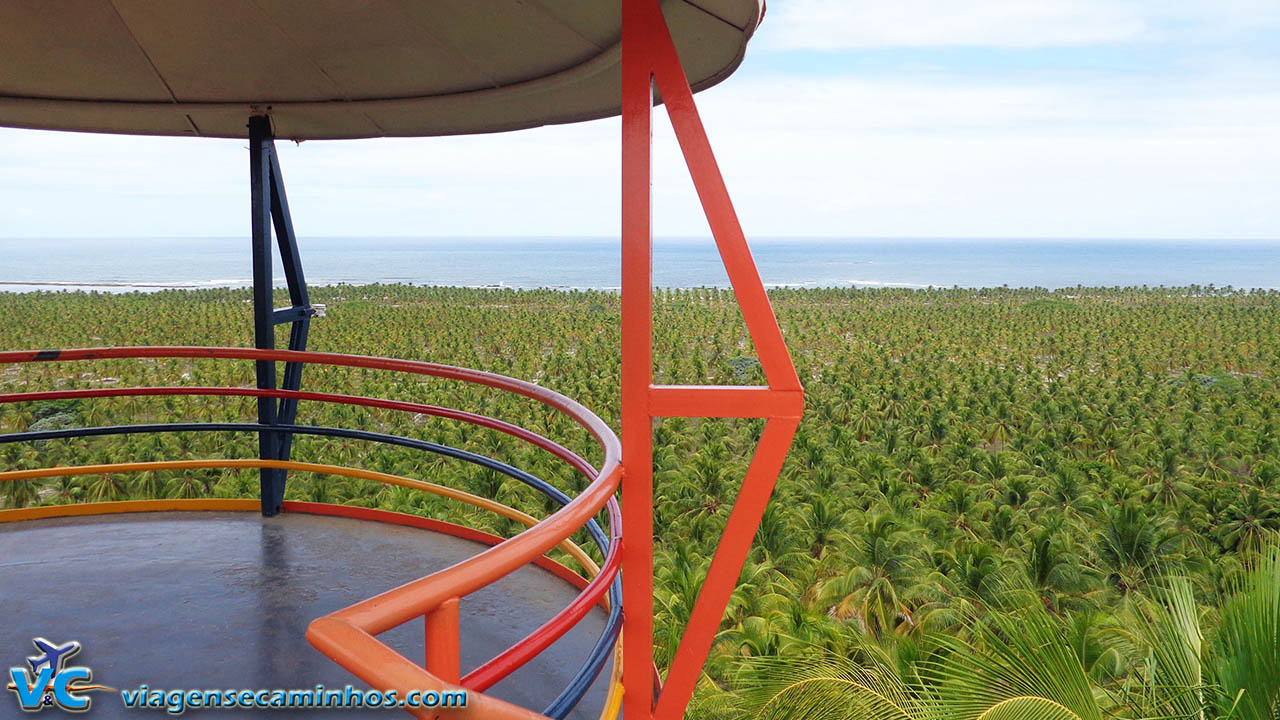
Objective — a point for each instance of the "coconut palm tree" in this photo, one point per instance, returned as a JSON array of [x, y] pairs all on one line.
[[1136, 546], [1024, 665]]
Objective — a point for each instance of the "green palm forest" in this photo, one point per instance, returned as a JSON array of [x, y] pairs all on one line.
[[1001, 504]]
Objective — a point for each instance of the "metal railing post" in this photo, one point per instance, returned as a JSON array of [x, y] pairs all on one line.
[[443, 645]]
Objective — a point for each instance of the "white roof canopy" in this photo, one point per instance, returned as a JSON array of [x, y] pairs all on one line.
[[335, 68]]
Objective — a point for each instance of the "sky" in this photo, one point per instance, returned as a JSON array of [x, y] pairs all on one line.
[[874, 118]]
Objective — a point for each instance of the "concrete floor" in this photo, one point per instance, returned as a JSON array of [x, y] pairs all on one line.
[[222, 600]]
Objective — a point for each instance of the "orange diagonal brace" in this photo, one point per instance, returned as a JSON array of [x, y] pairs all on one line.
[[726, 566], [649, 56], [669, 76]]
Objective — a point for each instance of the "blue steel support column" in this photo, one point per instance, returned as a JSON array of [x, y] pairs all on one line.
[[300, 323], [264, 327], [270, 208]]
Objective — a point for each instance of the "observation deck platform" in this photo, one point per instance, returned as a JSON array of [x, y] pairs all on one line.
[[222, 600], [237, 601]]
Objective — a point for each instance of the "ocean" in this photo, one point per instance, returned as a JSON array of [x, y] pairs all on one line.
[[122, 265]]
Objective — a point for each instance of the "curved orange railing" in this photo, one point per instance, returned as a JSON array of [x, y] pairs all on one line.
[[348, 636], [613, 699]]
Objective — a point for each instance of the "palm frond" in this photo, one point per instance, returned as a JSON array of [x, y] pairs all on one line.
[[1167, 633], [1022, 656], [812, 687], [1028, 708], [1248, 642]]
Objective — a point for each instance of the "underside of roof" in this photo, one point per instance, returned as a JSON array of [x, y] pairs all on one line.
[[328, 69]]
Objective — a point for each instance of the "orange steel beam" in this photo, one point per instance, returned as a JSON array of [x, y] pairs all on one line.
[[637, 364], [712, 401], [649, 57]]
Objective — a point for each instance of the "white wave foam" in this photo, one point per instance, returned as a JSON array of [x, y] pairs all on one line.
[[888, 283]]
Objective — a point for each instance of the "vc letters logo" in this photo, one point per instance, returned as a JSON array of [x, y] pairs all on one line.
[[50, 681]]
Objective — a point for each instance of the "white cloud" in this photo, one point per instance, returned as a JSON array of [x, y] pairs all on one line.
[[945, 158], [842, 24], [929, 155], [848, 24]]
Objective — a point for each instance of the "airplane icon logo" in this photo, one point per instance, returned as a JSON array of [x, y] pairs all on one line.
[[54, 655], [49, 682]]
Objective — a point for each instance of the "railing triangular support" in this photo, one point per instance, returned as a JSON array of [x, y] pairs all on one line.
[[648, 57]]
